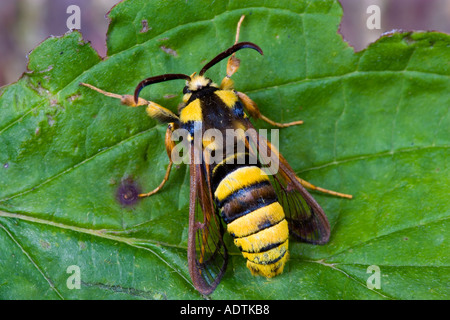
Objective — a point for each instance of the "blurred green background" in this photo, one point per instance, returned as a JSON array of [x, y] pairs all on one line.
[[26, 23]]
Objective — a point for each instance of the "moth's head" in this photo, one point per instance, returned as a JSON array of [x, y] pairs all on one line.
[[198, 82], [193, 82]]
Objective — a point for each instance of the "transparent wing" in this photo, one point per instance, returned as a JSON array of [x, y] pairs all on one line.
[[207, 254], [305, 217]]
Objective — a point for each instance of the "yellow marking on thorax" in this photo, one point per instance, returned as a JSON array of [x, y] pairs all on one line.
[[208, 142], [251, 222], [211, 145], [192, 112], [238, 179], [186, 97], [228, 97]]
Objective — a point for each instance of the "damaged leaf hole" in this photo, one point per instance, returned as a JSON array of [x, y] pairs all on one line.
[[73, 97], [170, 96], [145, 26], [50, 120], [170, 51], [128, 193]]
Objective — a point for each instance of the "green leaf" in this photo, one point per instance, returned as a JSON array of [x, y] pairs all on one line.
[[376, 125]]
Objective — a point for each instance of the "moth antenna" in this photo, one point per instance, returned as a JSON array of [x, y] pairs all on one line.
[[229, 52], [156, 79]]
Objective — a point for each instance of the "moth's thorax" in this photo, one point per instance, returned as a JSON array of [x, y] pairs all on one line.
[[216, 108]]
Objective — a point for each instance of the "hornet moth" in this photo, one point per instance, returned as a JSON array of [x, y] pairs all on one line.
[[260, 208]]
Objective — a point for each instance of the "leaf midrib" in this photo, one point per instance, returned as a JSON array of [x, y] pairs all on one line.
[[133, 242], [108, 234]]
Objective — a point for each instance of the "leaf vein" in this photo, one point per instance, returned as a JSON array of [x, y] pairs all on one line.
[[333, 267], [73, 167], [380, 236], [370, 156], [33, 263], [133, 242]]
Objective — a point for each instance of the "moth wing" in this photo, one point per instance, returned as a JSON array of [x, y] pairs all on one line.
[[305, 217], [207, 254]]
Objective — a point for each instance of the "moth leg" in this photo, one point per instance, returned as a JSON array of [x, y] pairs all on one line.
[[170, 144], [166, 177], [253, 110], [233, 63], [153, 109], [127, 99], [228, 84], [310, 186], [305, 183]]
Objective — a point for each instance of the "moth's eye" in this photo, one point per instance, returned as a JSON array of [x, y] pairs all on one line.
[[186, 90]]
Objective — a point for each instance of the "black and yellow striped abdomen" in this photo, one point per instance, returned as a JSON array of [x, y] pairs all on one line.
[[249, 206]]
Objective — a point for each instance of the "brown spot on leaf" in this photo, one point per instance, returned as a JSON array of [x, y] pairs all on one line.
[[128, 193]]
